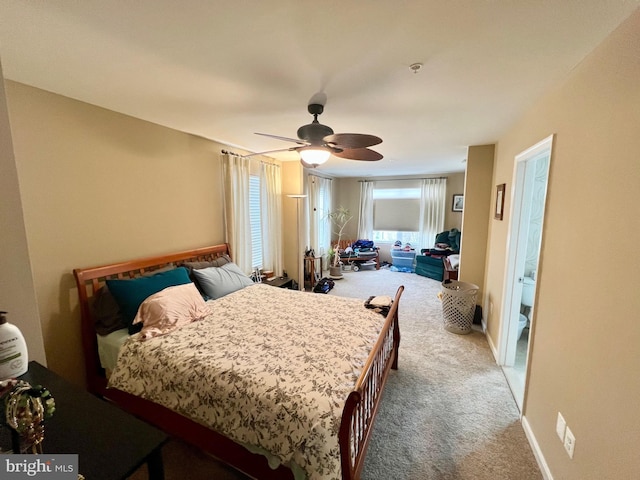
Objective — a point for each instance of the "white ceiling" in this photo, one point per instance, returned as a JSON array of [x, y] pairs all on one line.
[[226, 69]]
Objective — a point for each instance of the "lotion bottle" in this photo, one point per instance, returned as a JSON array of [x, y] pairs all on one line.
[[13, 350]]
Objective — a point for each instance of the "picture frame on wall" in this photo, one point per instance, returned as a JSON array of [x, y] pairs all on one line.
[[458, 203], [500, 189]]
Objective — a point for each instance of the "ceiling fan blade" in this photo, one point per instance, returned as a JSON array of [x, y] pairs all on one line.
[[359, 154], [352, 140], [290, 149], [286, 139]]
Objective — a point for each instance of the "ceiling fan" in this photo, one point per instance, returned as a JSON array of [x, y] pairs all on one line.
[[316, 142]]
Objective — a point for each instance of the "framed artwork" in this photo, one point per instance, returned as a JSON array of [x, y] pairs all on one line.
[[458, 203], [499, 201]]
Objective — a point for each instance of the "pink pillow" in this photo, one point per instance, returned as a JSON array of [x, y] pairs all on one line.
[[170, 309]]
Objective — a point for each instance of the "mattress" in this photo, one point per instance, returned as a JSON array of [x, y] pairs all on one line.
[[109, 346], [269, 367]]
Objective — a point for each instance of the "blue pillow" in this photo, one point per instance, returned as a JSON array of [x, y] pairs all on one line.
[[129, 294], [217, 282]]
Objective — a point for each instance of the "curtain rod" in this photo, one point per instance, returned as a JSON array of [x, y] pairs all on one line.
[[320, 176], [228, 152], [404, 179]]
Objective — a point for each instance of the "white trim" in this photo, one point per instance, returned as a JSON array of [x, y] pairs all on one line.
[[508, 310], [535, 447]]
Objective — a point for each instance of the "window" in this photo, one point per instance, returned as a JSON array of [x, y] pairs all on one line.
[[254, 219], [324, 225], [396, 214], [319, 191]]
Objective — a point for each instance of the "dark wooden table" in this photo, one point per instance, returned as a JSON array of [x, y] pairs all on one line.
[[282, 282], [110, 443]]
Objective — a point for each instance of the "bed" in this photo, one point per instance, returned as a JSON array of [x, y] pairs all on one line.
[[354, 398]]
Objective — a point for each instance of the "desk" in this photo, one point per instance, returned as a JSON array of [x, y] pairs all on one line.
[[110, 443], [282, 282], [355, 259]]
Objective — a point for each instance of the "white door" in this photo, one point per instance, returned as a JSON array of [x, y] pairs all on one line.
[[525, 194]]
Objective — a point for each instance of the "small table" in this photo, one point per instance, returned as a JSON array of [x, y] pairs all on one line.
[[282, 282], [450, 273], [310, 267], [110, 443]]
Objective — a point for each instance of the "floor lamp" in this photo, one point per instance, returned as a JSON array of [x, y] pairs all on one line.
[[300, 263]]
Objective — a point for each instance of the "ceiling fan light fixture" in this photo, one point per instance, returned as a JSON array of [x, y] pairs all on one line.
[[314, 155]]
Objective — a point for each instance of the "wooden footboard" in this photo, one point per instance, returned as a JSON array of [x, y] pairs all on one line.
[[362, 403], [358, 414]]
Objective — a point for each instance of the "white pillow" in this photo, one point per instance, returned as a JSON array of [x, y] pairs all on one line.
[[217, 282], [169, 309]]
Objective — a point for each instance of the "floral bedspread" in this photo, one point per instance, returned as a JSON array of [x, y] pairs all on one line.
[[269, 367]]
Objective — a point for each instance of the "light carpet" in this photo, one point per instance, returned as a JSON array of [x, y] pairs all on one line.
[[446, 413]]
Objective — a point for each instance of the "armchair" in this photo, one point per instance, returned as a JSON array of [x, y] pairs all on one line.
[[431, 261]]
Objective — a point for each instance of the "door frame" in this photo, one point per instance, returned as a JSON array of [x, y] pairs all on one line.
[[516, 249]]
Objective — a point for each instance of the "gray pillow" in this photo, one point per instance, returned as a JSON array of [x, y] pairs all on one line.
[[217, 262], [106, 312], [217, 282]]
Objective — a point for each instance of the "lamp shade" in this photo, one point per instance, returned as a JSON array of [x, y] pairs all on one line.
[[314, 155]]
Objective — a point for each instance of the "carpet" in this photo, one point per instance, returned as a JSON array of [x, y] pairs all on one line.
[[446, 413]]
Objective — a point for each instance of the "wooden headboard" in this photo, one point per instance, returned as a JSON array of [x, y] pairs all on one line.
[[89, 280]]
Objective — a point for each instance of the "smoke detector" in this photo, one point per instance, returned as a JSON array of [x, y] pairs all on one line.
[[416, 67]]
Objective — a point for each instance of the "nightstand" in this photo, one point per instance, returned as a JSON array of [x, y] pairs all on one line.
[[110, 443], [281, 282]]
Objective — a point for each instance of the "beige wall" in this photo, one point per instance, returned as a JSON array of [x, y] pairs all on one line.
[[585, 355], [346, 193], [455, 186], [477, 210], [98, 187], [17, 290]]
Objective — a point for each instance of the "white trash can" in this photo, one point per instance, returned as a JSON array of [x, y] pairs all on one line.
[[458, 305]]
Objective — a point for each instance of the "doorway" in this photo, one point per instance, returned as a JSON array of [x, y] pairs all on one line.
[[529, 192]]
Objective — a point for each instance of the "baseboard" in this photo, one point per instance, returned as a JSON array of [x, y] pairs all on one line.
[[535, 447], [544, 468], [493, 348]]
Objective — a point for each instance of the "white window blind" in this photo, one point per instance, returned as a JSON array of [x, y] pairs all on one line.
[[254, 219], [396, 209]]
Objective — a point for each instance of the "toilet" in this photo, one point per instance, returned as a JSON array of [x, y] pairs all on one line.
[[528, 290]]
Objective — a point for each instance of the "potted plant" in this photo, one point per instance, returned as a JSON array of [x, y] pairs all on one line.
[[339, 218]]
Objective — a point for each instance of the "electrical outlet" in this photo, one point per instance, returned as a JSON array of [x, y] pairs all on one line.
[[569, 442], [561, 425]]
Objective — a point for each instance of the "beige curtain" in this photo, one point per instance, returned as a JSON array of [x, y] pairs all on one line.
[[365, 223], [319, 195], [237, 223], [271, 217], [432, 209]]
